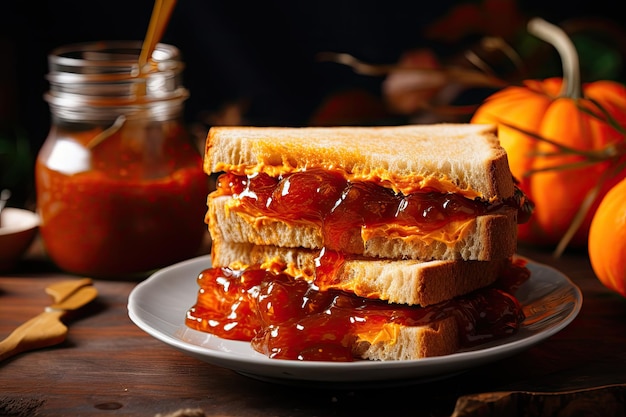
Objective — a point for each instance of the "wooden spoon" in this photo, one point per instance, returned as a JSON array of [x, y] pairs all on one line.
[[62, 290], [46, 329]]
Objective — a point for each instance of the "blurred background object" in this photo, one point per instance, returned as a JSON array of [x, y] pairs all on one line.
[[266, 63], [18, 230]]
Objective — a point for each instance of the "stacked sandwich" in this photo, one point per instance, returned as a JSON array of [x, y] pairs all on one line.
[[346, 243]]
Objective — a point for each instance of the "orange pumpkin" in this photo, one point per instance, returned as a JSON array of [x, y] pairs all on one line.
[[557, 150], [607, 239]]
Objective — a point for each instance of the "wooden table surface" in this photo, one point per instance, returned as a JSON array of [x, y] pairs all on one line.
[[109, 367]]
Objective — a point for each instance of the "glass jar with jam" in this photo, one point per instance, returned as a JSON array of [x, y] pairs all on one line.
[[120, 186]]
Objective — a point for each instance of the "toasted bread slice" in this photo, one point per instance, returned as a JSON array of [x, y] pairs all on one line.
[[460, 158], [482, 238], [396, 281], [397, 342]]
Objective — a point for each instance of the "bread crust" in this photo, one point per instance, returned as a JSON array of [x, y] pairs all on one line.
[[396, 281], [462, 158], [484, 238]]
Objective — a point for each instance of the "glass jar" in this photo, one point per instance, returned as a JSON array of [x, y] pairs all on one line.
[[120, 185]]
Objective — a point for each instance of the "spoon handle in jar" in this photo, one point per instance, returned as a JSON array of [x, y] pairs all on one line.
[[156, 27]]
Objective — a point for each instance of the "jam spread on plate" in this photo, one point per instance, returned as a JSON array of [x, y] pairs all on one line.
[[291, 318]]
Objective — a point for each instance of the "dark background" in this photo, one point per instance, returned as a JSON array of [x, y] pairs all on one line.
[[261, 56]]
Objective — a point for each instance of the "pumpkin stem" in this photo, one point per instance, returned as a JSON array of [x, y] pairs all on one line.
[[557, 37]]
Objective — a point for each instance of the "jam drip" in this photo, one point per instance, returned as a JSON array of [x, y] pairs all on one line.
[[341, 208], [290, 318]]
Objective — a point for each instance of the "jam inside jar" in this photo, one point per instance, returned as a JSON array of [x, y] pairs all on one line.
[[120, 185]]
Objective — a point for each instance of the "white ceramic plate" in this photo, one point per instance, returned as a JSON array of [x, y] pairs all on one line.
[[158, 306]]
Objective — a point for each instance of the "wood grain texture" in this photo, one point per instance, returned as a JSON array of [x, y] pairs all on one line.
[[109, 367]]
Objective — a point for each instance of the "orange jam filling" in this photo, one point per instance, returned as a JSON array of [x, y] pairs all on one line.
[[343, 209], [290, 318]]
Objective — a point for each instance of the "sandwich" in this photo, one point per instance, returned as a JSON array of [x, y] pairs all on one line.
[[347, 243]]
